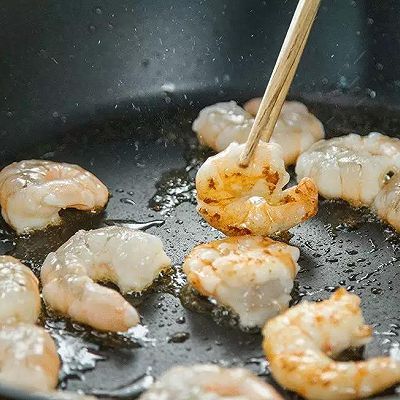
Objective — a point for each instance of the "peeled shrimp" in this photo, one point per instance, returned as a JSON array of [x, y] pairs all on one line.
[[19, 288], [251, 200], [250, 274], [387, 202], [299, 343], [221, 124], [28, 357], [33, 192], [210, 382], [351, 167], [131, 259]]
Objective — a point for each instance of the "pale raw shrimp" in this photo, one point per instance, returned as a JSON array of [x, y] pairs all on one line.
[[28, 357], [252, 105], [210, 382], [387, 202], [33, 192], [219, 125], [296, 130], [19, 288], [251, 200], [299, 343], [129, 258], [252, 275], [351, 167]]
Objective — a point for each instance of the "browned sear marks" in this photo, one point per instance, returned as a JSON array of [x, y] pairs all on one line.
[[209, 201], [271, 176], [239, 231]]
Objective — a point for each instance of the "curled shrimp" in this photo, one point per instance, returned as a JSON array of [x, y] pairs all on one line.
[[221, 124], [207, 381], [299, 343], [351, 167], [252, 275], [240, 201], [19, 288], [32, 192], [28, 357], [131, 259]]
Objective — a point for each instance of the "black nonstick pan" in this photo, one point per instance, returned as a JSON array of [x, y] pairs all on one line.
[[114, 86]]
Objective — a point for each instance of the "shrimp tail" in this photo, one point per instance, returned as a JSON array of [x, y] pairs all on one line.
[[306, 193], [298, 204]]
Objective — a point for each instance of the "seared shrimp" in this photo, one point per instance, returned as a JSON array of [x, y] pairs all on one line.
[[210, 382], [131, 259], [28, 357], [351, 167], [299, 343], [19, 288], [387, 202], [250, 274], [221, 124], [33, 192], [251, 200]]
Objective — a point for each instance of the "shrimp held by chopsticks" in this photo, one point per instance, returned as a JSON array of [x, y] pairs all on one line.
[[242, 201]]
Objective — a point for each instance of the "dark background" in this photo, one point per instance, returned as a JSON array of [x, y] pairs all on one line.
[[63, 63]]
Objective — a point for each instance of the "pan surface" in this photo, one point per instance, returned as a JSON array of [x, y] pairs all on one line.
[[91, 83], [148, 159]]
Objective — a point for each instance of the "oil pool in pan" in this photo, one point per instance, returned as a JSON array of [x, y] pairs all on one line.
[[149, 162]]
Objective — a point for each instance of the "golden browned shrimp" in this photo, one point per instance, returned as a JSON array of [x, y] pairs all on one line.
[[251, 200], [252, 275], [32, 192], [19, 288], [299, 343]]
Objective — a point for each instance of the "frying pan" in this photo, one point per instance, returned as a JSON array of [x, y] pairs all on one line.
[[114, 86]]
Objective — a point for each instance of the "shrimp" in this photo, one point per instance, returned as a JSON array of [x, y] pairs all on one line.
[[19, 288], [131, 259], [299, 343], [352, 167], [387, 202], [252, 105], [240, 201], [210, 382], [33, 192], [28, 357], [296, 130], [252, 275]]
